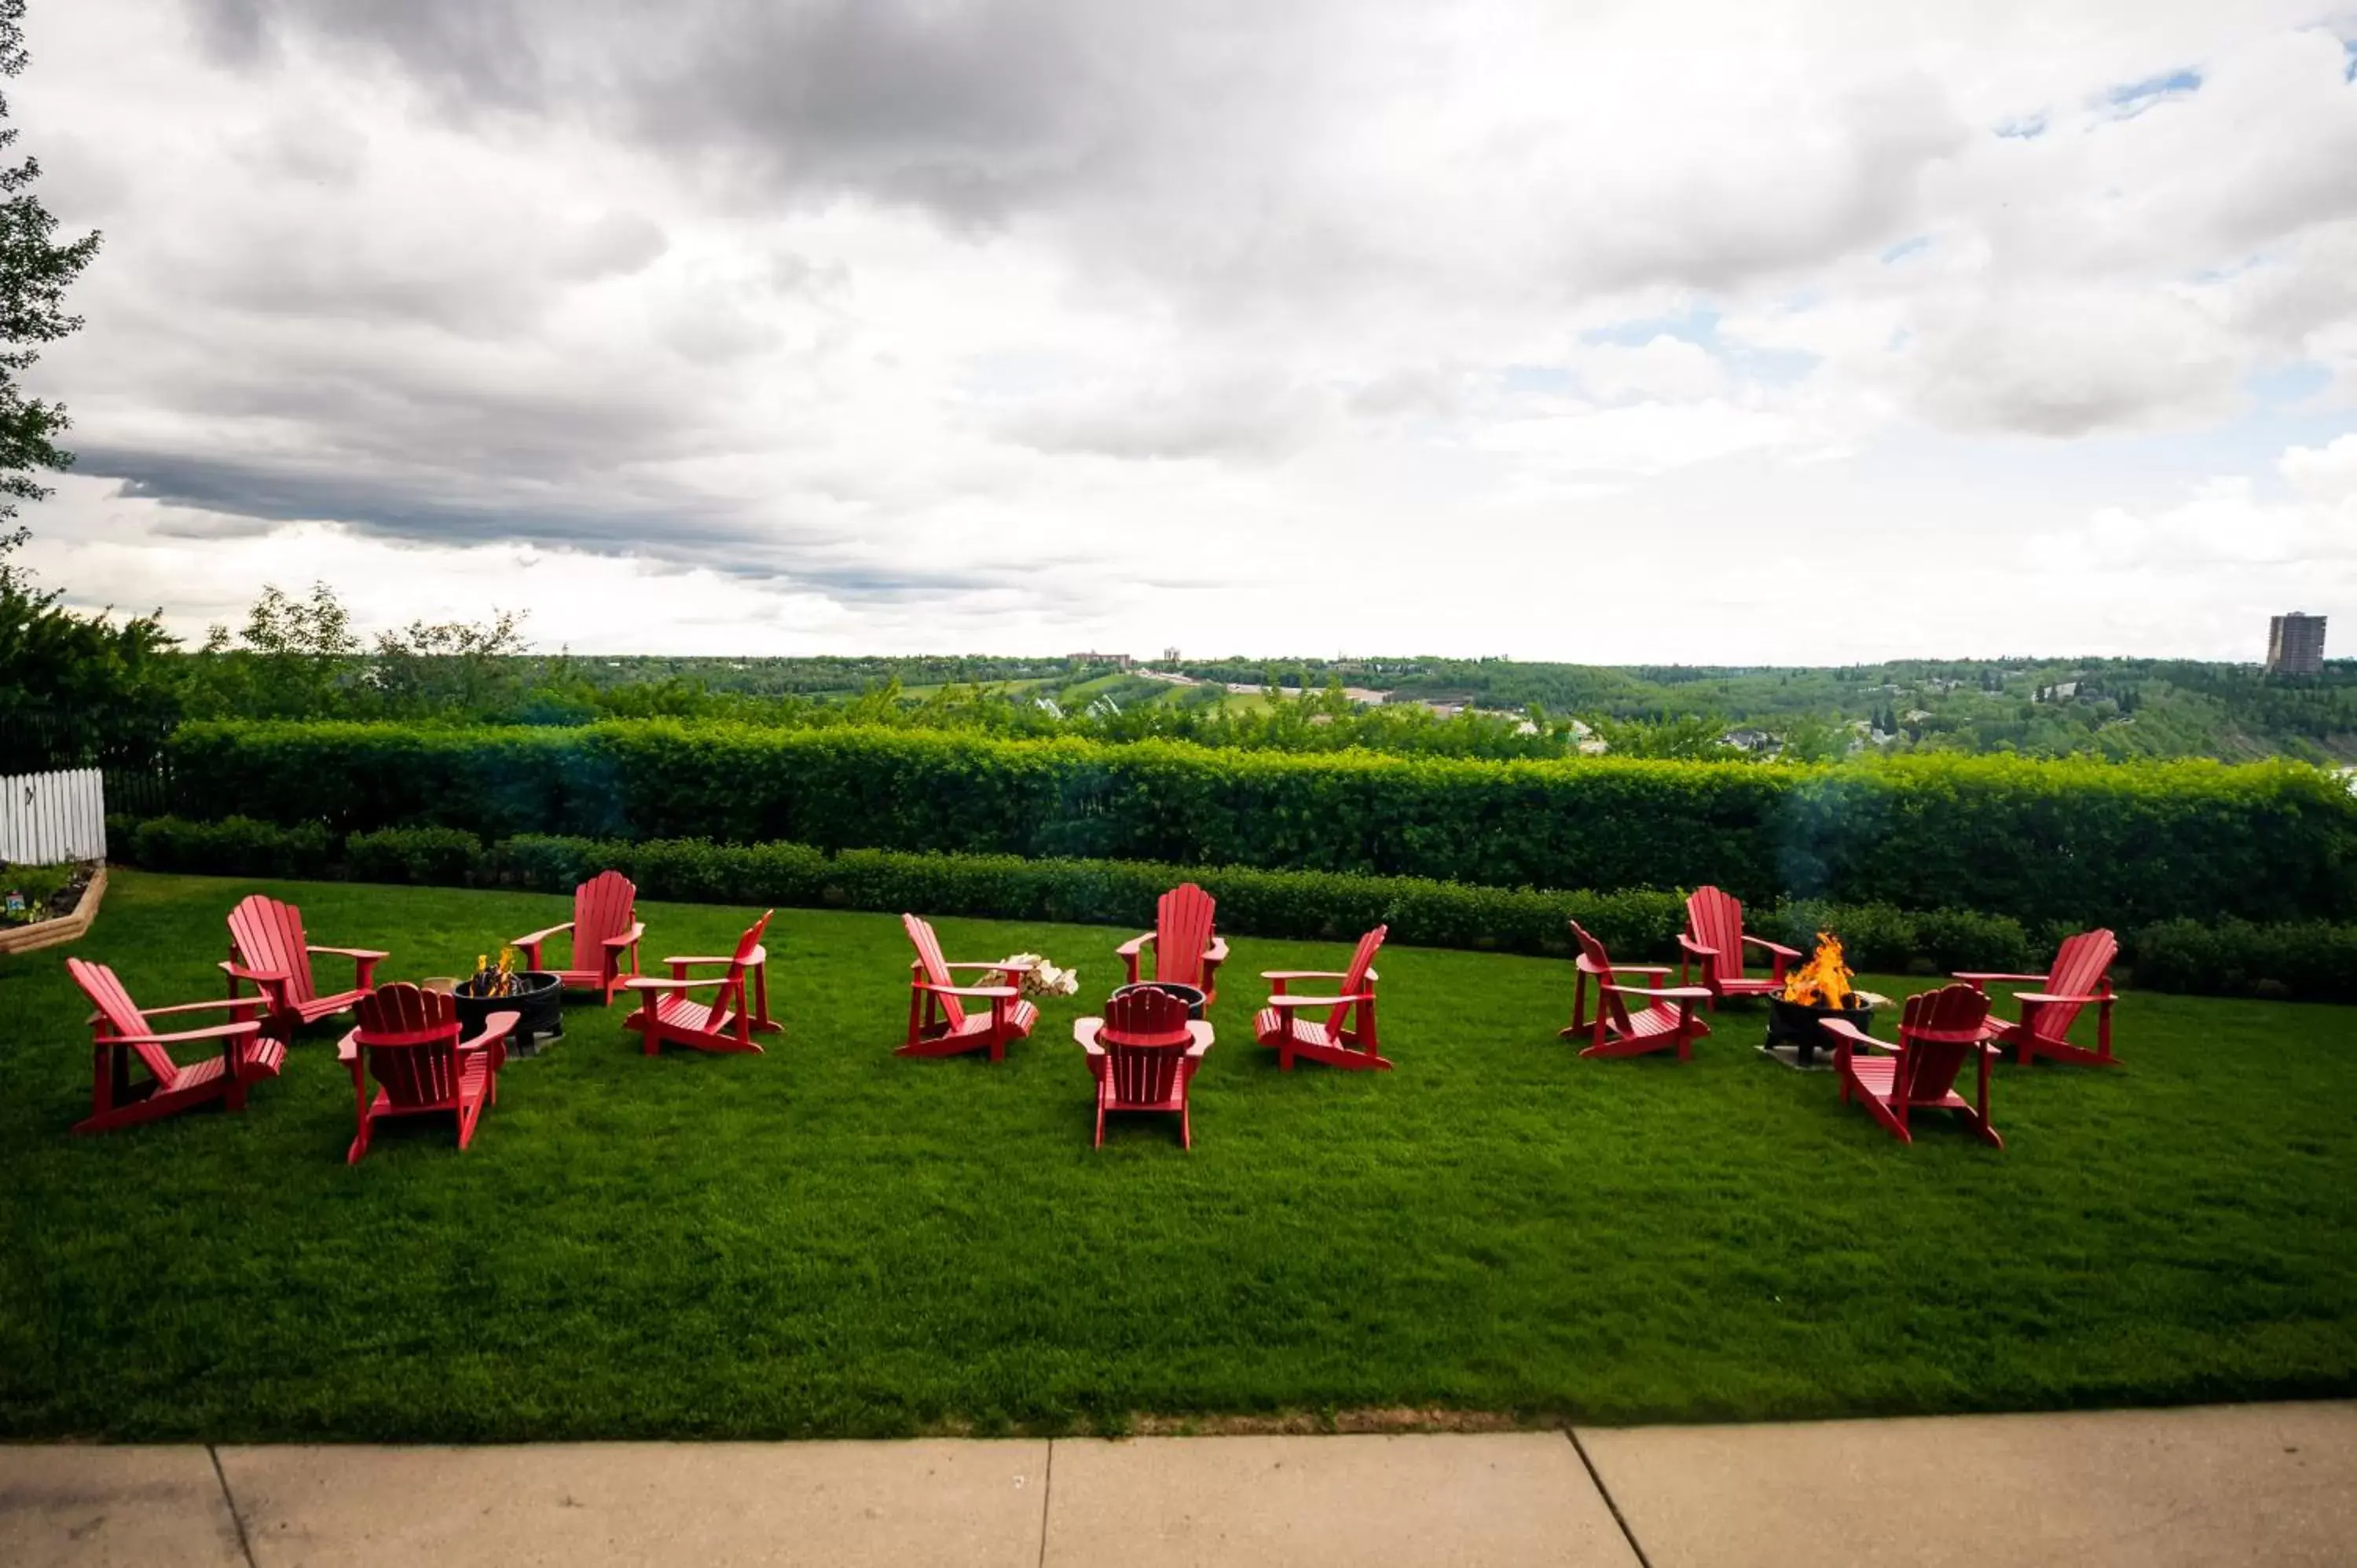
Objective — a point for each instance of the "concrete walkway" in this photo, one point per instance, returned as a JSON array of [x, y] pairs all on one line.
[[2272, 1484]]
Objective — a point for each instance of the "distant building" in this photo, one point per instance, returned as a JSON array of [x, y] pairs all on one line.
[[1169, 656], [2060, 692], [1118, 660], [2296, 643]]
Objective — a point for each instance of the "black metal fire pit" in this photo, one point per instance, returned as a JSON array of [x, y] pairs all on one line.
[[1191, 994], [537, 998], [1795, 1024]]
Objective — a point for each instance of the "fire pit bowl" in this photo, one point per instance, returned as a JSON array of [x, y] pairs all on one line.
[[1191, 994], [1795, 1024], [536, 997]]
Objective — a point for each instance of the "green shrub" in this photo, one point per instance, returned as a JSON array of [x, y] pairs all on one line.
[[235, 847], [2074, 843], [435, 856], [35, 884], [1637, 924], [2313, 960], [2308, 961]]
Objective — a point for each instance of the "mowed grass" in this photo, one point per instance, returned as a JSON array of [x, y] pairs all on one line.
[[828, 1239]]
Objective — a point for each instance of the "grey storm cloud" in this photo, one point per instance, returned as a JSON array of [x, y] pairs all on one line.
[[226, 498], [965, 110]]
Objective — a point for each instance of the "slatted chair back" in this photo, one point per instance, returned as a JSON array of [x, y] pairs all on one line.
[[935, 967], [1715, 920], [731, 997], [410, 1038], [1609, 1003], [119, 1016], [602, 908], [2080, 966], [267, 936], [1362, 964], [748, 944], [1182, 929], [1938, 1029], [1144, 1039]]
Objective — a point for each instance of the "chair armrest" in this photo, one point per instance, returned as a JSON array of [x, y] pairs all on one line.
[[1641, 968], [1778, 948], [1668, 994], [218, 1032], [1218, 952], [351, 952], [988, 991], [1692, 946], [1320, 1000], [1976, 977], [755, 958], [537, 937], [1201, 1029], [2043, 997], [1849, 1033], [199, 1006], [627, 939], [259, 976], [497, 1026], [1129, 949], [1304, 974], [1003, 968], [646, 982]]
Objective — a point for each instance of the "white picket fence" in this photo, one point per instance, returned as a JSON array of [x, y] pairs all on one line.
[[45, 818]]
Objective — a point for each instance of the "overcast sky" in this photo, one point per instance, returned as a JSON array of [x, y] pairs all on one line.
[[1755, 332]]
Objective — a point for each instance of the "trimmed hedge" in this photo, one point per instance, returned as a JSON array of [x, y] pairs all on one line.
[[443, 856], [2312, 961], [2074, 843], [235, 847]]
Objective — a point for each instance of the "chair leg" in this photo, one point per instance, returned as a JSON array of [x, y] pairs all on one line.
[[1186, 1128]]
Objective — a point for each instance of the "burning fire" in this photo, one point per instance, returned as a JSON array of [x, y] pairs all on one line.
[[1823, 981], [500, 981]]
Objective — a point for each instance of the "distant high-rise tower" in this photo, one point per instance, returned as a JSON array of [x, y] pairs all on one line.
[[2296, 643]]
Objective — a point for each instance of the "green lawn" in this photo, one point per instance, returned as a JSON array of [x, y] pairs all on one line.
[[830, 1240]]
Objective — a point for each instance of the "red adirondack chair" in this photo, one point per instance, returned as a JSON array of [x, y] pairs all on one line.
[[939, 1025], [603, 930], [1144, 1053], [1714, 938], [407, 1040], [120, 1029], [267, 948], [1938, 1030], [730, 1021], [1187, 951], [1347, 1036], [2081, 977], [1667, 1019]]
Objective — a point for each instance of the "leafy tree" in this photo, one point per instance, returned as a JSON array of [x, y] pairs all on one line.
[[1814, 739], [294, 658], [78, 687], [105, 681], [464, 669], [35, 271]]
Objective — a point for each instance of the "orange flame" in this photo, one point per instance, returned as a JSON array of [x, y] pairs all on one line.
[[1823, 981]]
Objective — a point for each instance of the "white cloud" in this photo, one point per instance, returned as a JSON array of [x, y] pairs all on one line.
[[1014, 323]]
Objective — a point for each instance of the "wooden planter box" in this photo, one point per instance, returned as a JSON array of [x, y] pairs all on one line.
[[65, 929]]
